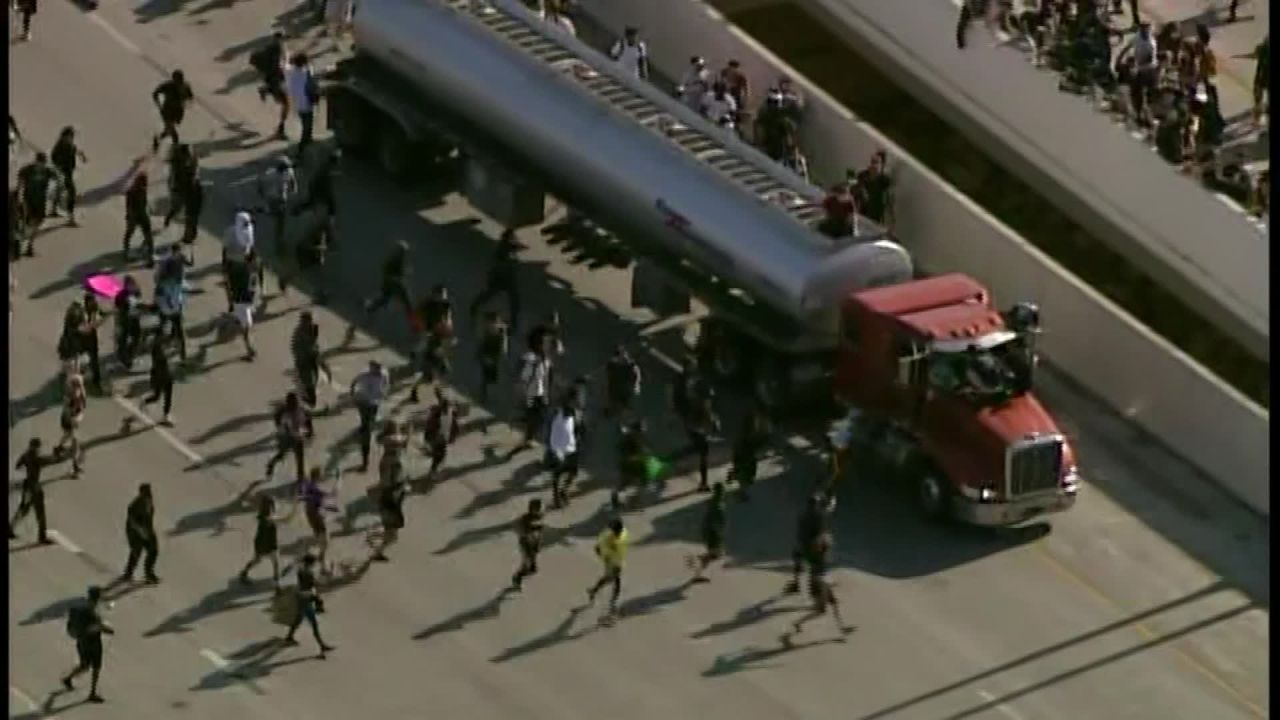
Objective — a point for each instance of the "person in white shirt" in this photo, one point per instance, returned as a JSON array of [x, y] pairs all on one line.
[[535, 385], [237, 259], [696, 83], [562, 452], [1146, 69], [631, 53], [300, 83], [369, 390], [719, 104]]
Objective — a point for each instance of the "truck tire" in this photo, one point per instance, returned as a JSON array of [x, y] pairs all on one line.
[[771, 382], [932, 495], [351, 123], [395, 152]]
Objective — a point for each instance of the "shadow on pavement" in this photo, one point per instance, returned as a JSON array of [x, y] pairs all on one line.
[[488, 610]]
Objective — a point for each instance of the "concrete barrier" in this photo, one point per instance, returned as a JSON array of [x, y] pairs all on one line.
[[1091, 339]]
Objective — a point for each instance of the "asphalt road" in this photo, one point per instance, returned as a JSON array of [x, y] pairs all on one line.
[[1150, 600]]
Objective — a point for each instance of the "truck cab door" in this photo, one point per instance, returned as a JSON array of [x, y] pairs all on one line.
[[910, 382]]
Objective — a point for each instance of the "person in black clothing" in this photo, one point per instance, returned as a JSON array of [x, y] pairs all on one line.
[[17, 224], [702, 423], [268, 60], [172, 97], [875, 190], [161, 380], [137, 216], [320, 189], [395, 274], [491, 350], [129, 308], [309, 604], [814, 522], [632, 453], [622, 382], [501, 279], [436, 315], [529, 529], [64, 155], [88, 340], [32, 491], [307, 363], [35, 181], [140, 531], [86, 625], [186, 194], [266, 540], [714, 520], [820, 590], [391, 497], [746, 452], [26, 10], [547, 337]]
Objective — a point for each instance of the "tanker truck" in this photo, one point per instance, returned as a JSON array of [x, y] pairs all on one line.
[[532, 111]]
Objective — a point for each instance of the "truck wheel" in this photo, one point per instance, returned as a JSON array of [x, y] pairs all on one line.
[[931, 493], [395, 154], [772, 382], [351, 124]]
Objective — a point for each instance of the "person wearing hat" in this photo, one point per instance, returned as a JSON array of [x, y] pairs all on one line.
[[86, 626], [140, 532], [631, 53]]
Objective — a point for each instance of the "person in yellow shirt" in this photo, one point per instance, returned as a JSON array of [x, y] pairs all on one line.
[[612, 550]]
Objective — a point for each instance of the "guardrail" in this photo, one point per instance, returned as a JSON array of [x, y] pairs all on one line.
[[1092, 340], [1198, 245]]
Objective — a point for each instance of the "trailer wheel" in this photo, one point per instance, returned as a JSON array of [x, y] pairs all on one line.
[[931, 494], [350, 122], [395, 153]]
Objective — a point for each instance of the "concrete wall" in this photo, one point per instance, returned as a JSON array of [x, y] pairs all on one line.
[[1091, 339]]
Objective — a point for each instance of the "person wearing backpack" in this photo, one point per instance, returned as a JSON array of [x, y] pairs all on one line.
[[86, 626]]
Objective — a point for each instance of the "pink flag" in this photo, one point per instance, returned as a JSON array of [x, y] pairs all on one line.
[[106, 286]]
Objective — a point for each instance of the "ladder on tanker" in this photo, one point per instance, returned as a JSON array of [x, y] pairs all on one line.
[[703, 146]]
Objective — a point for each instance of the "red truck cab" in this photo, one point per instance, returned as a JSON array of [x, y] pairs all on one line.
[[943, 382]]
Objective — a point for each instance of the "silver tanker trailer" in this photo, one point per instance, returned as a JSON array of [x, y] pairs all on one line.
[[535, 111]]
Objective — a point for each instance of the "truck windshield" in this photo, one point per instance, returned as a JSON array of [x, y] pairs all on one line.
[[987, 375]]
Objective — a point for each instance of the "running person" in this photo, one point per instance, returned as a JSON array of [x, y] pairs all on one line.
[[611, 548], [814, 522], [369, 390], [491, 350], [309, 604], [315, 502], [714, 520], [268, 60], [441, 430], [501, 279], [65, 154], [391, 497], [161, 381], [562, 452], [395, 276], [73, 406], [436, 315], [266, 539], [32, 497], [529, 528], [35, 183], [307, 361], [86, 626], [293, 429], [821, 590], [171, 98]]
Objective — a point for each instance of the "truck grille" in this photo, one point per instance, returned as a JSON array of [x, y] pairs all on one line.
[[1035, 466]]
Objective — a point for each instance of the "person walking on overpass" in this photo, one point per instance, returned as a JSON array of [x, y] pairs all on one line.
[[266, 539], [293, 429], [632, 53], [369, 390], [501, 279], [714, 520], [65, 154], [529, 529], [171, 98], [140, 532], [86, 626], [310, 604], [161, 381], [611, 548], [32, 497]]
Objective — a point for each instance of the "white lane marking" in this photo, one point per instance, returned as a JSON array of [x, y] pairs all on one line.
[[1000, 707], [168, 437], [64, 543], [115, 34], [32, 705], [218, 661]]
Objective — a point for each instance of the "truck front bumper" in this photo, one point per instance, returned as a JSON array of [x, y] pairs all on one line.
[[998, 514]]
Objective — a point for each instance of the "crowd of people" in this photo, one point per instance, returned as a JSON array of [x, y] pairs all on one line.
[[1165, 82], [556, 411]]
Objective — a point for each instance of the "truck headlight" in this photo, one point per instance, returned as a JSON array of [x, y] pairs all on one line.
[[1071, 479], [987, 494]]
